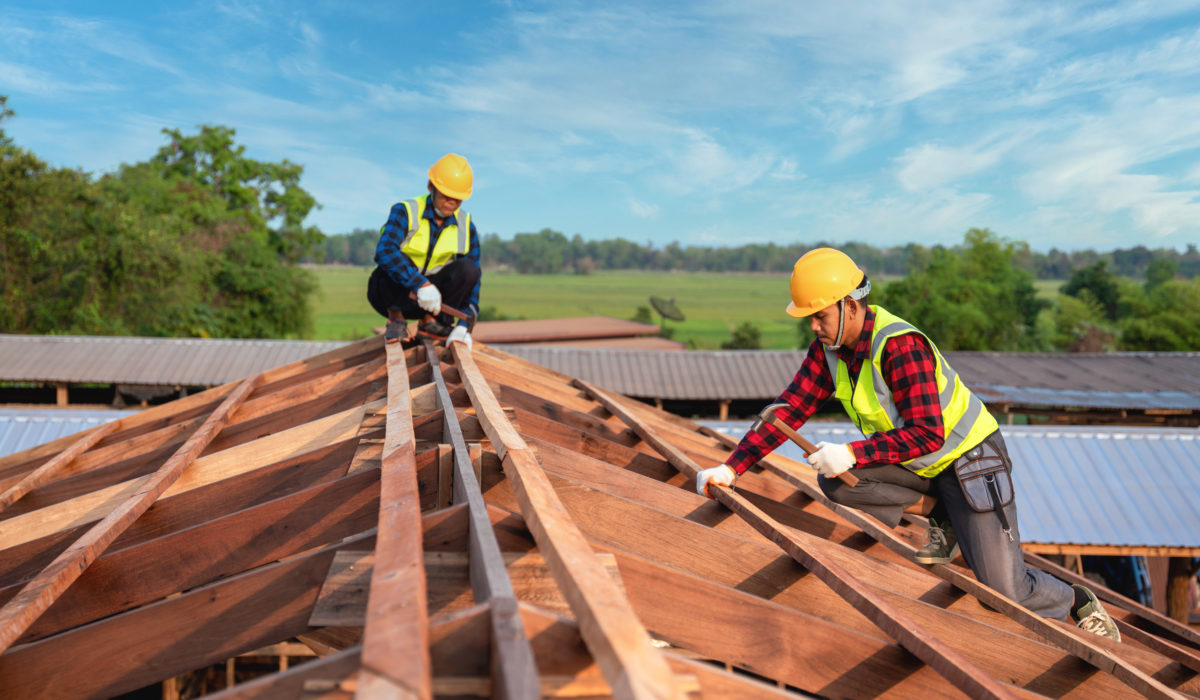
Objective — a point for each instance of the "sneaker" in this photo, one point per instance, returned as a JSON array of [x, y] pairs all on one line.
[[433, 328], [939, 546], [1092, 617]]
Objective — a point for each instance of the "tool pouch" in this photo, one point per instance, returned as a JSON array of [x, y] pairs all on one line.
[[985, 475]]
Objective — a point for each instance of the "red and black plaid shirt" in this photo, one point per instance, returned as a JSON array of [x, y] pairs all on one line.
[[908, 370]]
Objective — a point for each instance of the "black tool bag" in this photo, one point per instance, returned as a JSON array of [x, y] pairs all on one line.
[[985, 475]]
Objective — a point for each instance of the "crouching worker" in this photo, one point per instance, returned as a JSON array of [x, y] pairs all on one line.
[[427, 256], [930, 446]]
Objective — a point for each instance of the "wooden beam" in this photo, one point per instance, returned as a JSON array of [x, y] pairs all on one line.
[[740, 575], [396, 638], [291, 683], [515, 675], [197, 628], [1071, 640], [1110, 550], [317, 516], [925, 646], [618, 641], [19, 613], [59, 462]]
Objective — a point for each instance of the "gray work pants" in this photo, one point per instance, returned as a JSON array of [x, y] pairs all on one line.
[[885, 491]]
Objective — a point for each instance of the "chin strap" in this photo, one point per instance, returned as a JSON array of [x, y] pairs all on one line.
[[857, 295], [841, 324]]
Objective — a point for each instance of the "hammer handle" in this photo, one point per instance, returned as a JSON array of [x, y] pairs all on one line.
[[446, 309], [807, 446]]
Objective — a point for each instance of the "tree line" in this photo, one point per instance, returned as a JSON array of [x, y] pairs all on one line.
[[551, 252], [198, 240]]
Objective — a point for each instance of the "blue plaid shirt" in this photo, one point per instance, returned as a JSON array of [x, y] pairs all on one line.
[[400, 267]]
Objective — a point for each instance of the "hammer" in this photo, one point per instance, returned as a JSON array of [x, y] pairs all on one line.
[[446, 309], [767, 416]]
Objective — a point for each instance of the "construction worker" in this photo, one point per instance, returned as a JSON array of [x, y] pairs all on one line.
[[427, 256], [919, 422]]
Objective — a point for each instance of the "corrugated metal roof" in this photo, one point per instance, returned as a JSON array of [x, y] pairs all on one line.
[[1099, 486], [21, 429], [1092, 380], [170, 361]]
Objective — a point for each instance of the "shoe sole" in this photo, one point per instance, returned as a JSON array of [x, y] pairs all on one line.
[[936, 560]]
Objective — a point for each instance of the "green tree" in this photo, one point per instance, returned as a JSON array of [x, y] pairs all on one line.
[[1098, 283], [1164, 318], [971, 298], [152, 249], [1160, 271], [266, 193], [747, 336]]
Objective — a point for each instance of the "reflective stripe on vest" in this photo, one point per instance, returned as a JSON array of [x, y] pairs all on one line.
[[448, 246], [965, 420]]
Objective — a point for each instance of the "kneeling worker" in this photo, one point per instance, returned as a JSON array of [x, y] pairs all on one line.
[[920, 424], [429, 249]]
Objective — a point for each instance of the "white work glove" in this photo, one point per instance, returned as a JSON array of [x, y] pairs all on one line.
[[460, 334], [831, 459], [721, 474], [430, 299]]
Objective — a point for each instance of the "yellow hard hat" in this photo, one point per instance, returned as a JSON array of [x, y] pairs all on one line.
[[820, 278], [452, 176]]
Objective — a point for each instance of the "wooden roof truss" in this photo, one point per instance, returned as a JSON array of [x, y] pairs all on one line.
[[438, 522]]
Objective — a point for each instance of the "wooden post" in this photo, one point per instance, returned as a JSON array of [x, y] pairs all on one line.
[[60, 391], [725, 409], [1180, 572]]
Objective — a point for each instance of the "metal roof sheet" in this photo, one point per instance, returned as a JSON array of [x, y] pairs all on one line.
[[1089, 380], [21, 429], [170, 361], [1085, 485]]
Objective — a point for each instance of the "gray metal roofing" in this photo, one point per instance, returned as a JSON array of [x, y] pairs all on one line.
[[22, 428], [171, 361], [1088, 380], [1099, 486]]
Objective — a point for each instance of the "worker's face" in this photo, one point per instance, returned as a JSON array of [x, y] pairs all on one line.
[[444, 206], [824, 324]]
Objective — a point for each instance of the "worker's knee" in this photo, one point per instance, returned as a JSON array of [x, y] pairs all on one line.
[[835, 490]]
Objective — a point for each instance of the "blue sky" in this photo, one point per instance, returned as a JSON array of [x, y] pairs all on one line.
[[708, 122]]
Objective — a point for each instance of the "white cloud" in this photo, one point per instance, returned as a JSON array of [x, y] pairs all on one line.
[[643, 210]]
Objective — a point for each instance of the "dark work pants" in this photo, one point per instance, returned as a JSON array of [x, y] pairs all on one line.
[[455, 281], [885, 491]]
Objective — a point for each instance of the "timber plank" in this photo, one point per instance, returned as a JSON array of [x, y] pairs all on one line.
[[51, 468], [290, 683], [618, 641], [225, 546], [165, 639], [396, 637], [1093, 651], [276, 480], [761, 570], [514, 674], [21, 611]]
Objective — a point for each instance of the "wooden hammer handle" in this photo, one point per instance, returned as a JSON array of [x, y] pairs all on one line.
[[807, 446], [446, 309]]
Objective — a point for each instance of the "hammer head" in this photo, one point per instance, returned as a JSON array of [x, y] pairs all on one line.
[[766, 413]]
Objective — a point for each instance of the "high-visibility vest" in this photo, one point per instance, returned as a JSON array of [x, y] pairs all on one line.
[[965, 420], [454, 240]]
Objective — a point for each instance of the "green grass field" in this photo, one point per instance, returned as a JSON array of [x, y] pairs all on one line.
[[713, 303]]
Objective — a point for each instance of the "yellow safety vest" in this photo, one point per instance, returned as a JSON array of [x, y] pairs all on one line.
[[868, 401], [454, 240]]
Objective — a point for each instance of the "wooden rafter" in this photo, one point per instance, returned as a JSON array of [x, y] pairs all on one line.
[[19, 613], [515, 674], [50, 469], [621, 646], [395, 652], [1093, 652], [904, 629]]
